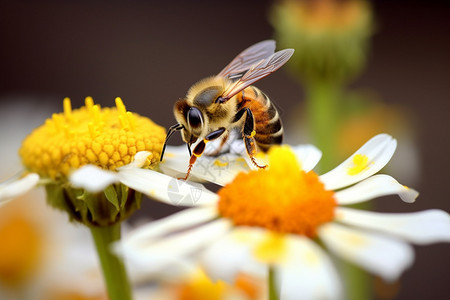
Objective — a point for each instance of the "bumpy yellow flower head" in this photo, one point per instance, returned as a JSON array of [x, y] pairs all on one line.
[[105, 137]]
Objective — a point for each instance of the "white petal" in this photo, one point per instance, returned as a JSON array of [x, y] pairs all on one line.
[[93, 178], [423, 227], [308, 272], [12, 189], [220, 170], [307, 155], [373, 187], [141, 265], [139, 160], [186, 242], [168, 254], [167, 189], [379, 151], [178, 221], [382, 255], [232, 254]]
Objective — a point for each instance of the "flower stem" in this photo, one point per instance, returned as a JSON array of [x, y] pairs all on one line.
[[323, 120], [323, 104], [114, 272], [273, 295]]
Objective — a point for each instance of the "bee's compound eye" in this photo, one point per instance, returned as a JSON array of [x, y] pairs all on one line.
[[194, 117]]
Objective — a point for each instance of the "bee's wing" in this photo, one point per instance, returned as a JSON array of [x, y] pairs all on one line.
[[258, 71], [249, 57]]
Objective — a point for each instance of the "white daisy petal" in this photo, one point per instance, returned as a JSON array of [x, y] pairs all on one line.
[[144, 266], [373, 187], [382, 255], [178, 221], [308, 156], [308, 272], [12, 189], [422, 228], [92, 178], [378, 150], [220, 170], [232, 254], [166, 255], [167, 189], [186, 242]]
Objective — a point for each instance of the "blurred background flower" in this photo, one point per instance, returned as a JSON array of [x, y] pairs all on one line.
[[157, 50], [197, 286]]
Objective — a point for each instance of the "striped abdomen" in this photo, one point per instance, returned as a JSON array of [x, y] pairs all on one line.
[[268, 127]]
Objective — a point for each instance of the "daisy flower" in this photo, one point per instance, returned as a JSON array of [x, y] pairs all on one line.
[[279, 223], [88, 140], [107, 138]]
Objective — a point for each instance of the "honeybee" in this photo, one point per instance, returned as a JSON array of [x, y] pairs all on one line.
[[216, 105]]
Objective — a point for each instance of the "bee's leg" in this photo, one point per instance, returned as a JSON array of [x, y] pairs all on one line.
[[200, 148], [222, 143], [248, 134], [198, 151]]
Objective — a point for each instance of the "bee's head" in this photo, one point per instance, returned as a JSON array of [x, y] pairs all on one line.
[[192, 120]]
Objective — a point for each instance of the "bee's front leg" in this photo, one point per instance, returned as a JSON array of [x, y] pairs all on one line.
[[200, 148], [248, 134]]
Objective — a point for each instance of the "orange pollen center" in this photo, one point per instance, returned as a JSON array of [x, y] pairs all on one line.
[[283, 198]]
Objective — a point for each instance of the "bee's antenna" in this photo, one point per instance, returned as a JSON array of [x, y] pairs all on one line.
[[171, 131]]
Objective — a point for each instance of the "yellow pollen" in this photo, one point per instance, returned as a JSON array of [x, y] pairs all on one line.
[[360, 163], [220, 163], [120, 106], [89, 102], [67, 108], [281, 198], [130, 120], [96, 113], [90, 135]]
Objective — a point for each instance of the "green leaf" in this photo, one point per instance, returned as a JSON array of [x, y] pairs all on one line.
[[111, 196], [123, 195]]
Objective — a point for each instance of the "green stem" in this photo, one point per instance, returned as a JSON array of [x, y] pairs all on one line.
[[323, 103], [273, 295], [323, 120], [114, 272]]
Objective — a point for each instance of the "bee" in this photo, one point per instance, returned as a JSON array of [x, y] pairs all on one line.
[[216, 105]]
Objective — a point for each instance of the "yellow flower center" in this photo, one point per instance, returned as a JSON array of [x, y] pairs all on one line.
[[283, 198], [105, 137]]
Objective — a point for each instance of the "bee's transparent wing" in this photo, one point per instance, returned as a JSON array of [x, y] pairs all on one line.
[[249, 57], [258, 71]]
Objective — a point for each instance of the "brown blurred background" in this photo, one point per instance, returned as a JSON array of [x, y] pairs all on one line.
[[149, 53]]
